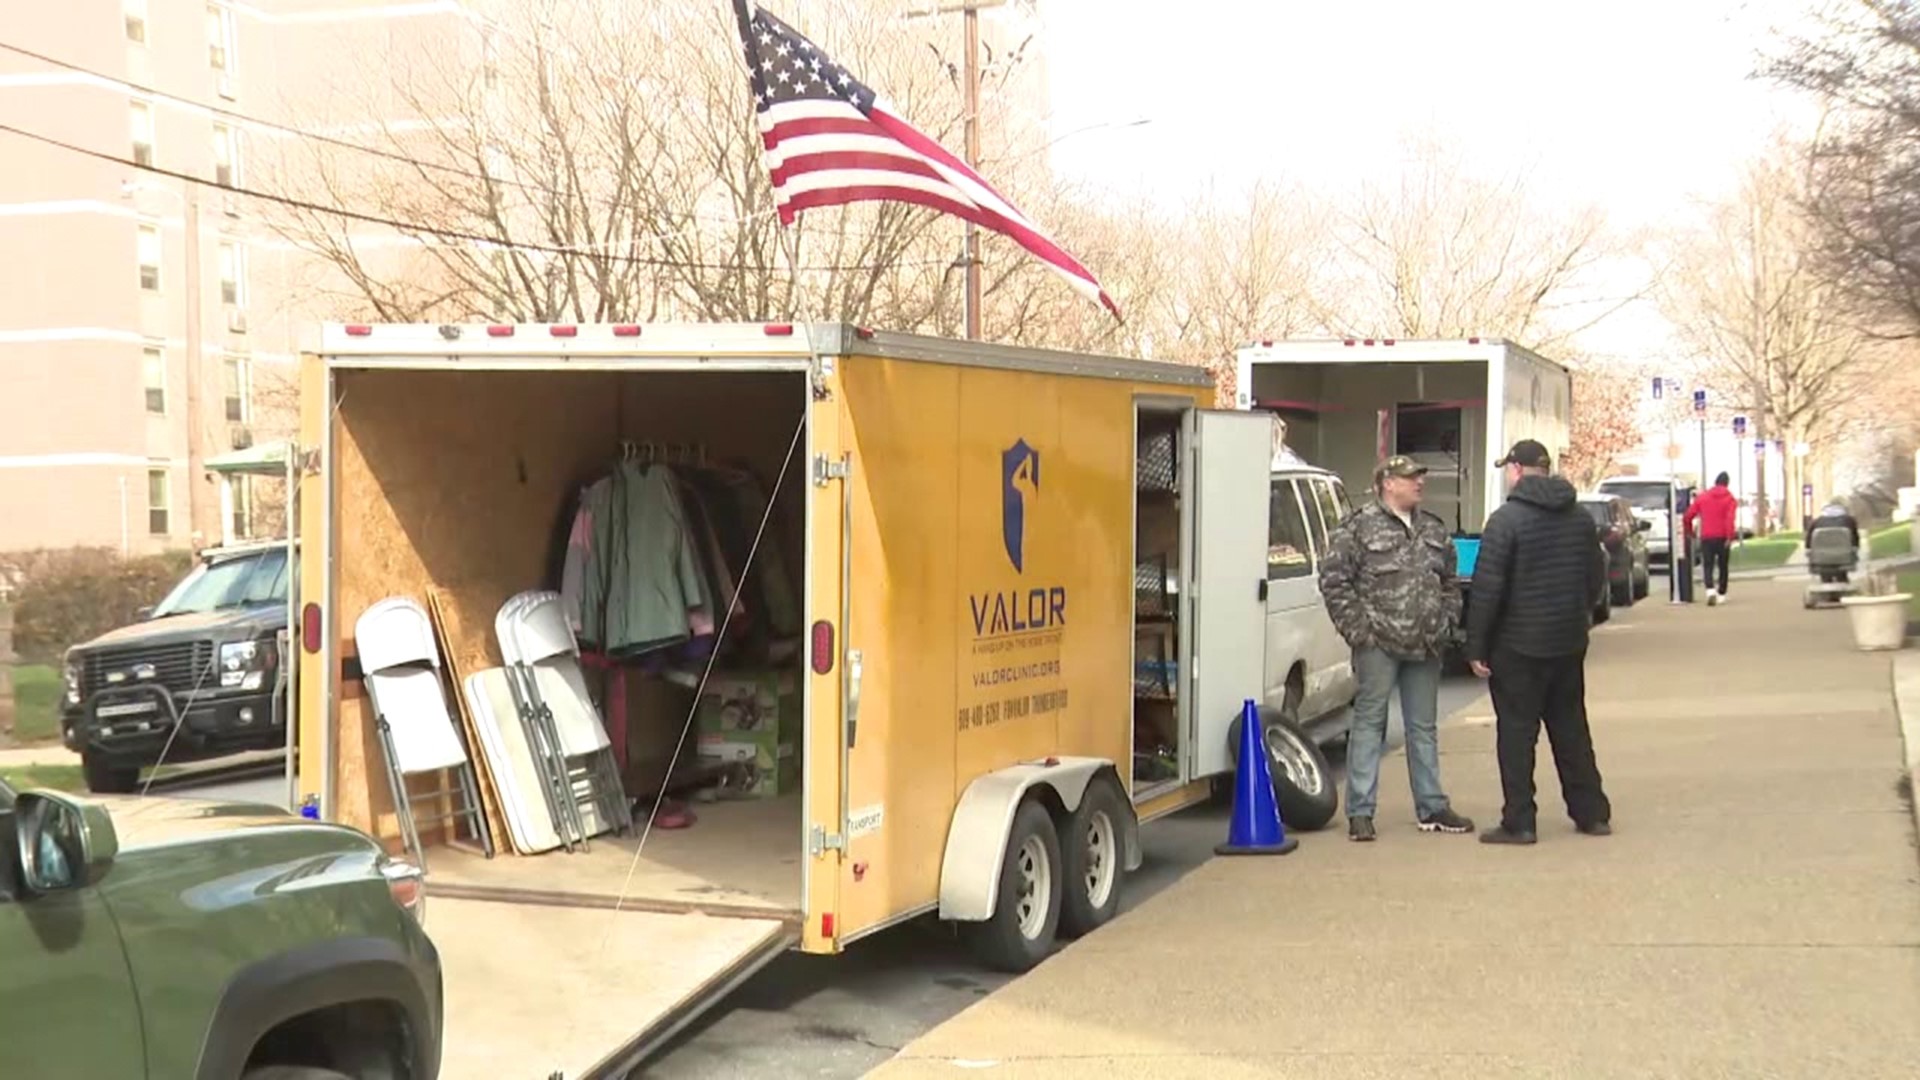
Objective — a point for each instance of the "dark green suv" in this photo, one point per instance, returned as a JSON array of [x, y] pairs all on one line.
[[163, 939]]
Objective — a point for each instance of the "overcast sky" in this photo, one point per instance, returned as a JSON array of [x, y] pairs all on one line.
[[1640, 105]]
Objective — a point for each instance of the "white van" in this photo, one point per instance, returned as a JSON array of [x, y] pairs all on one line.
[[1309, 668]]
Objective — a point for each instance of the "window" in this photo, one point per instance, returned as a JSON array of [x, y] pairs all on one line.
[[158, 515], [243, 517], [148, 249], [1332, 506], [220, 37], [233, 273], [154, 369], [142, 120], [226, 156], [1288, 545], [239, 386], [136, 12]]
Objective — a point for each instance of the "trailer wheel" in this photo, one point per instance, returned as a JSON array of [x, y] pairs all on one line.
[[1302, 780], [1090, 852], [1027, 915]]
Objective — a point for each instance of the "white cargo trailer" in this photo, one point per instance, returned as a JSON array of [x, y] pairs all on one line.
[[1455, 406]]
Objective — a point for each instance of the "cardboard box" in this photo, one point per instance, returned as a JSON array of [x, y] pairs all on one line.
[[754, 719]]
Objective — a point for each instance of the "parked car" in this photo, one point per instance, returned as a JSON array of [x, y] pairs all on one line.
[[1629, 565], [1651, 499], [177, 940], [205, 660]]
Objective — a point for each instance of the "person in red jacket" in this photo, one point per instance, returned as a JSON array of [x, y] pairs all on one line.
[[1715, 510]]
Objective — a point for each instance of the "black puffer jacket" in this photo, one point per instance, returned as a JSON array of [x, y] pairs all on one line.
[[1540, 572]]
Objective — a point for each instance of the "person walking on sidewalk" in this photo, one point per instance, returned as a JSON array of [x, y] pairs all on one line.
[[1715, 509], [1538, 577], [1390, 584]]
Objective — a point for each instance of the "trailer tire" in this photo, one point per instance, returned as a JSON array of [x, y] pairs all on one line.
[[1026, 915], [1095, 866], [1303, 784]]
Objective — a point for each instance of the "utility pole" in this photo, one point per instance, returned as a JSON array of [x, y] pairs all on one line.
[[969, 11], [972, 16]]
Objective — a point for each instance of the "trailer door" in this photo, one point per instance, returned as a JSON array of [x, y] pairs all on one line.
[[1224, 650]]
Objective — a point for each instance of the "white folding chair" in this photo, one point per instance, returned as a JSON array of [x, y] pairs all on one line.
[[400, 664]]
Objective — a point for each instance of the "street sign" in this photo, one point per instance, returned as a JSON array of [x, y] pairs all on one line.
[[1759, 447], [1739, 427], [1700, 401], [1656, 387]]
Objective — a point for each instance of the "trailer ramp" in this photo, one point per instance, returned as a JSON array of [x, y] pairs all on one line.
[[539, 991]]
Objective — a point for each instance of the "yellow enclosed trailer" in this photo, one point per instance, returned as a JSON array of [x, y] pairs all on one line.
[[1033, 587]]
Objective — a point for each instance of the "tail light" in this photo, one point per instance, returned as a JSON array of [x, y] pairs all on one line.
[[408, 885], [822, 647], [310, 628]]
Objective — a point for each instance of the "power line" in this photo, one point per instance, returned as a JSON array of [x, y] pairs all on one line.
[[356, 147], [441, 233]]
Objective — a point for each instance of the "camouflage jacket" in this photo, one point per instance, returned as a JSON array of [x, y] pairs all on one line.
[[1390, 587]]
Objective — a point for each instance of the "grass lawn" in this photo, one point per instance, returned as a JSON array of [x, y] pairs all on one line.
[[1890, 541], [62, 777], [1764, 553], [36, 698], [1908, 581]]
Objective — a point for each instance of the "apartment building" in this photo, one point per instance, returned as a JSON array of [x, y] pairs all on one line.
[[154, 306], [150, 320]]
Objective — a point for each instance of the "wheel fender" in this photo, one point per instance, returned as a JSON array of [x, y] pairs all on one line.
[[977, 836], [317, 976]]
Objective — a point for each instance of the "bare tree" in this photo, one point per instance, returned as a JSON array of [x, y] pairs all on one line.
[[1606, 420], [1441, 253], [1863, 66], [1774, 333], [601, 162]]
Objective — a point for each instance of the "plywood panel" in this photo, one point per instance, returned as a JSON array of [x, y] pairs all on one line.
[[451, 481], [575, 984]]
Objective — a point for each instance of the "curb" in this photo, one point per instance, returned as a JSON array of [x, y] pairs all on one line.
[[1906, 703]]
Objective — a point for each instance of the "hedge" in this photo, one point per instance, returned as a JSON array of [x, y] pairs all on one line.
[[67, 596]]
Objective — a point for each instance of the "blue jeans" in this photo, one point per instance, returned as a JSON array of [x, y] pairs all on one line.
[[1377, 674]]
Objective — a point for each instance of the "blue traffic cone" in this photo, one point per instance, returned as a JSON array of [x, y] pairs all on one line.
[[1255, 828]]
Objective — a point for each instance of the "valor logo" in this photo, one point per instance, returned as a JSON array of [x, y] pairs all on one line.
[[1019, 610], [1019, 485]]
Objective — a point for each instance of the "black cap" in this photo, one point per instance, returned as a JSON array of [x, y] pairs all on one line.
[[1527, 453]]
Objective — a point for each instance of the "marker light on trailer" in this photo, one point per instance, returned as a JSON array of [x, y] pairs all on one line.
[[359, 330], [499, 330], [778, 329], [822, 647], [626, 330], [563, 331], [310, 628]]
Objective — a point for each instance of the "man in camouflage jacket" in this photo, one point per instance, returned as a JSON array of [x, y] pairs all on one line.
[[1390, 584]]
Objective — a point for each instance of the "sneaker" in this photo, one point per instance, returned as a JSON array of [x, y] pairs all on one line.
[[1360, 829], [1713, 598], [1598, 828], [1502, 836], [1446, 821]]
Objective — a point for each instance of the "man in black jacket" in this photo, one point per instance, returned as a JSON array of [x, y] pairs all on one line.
[[1535, 583]]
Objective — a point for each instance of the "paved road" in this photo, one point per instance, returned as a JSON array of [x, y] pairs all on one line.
[[841, 1016]]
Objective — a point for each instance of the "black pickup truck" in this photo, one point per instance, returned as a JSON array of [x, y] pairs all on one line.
[[201, 675]]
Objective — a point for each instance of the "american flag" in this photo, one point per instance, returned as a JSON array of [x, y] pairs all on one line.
[[828, 140]]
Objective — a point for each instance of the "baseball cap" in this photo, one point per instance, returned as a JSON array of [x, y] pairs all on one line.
[[1528, 454], [1399, 465]]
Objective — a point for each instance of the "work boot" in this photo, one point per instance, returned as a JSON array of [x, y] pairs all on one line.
[[1502, 836], [1446, 821], [1360, 829]]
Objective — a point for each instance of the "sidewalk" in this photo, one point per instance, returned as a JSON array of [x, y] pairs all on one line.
[[1757, 913], [37, 755]]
